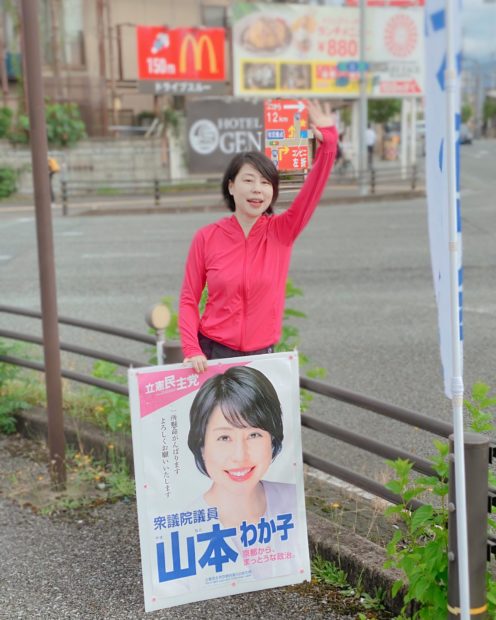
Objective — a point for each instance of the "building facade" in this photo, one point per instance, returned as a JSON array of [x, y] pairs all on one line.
[[89, 53]]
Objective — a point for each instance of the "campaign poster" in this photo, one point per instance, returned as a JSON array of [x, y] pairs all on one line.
[[219, 478]]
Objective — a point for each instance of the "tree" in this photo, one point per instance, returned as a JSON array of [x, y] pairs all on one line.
[[489, 110], [466, 112], [383, 110]]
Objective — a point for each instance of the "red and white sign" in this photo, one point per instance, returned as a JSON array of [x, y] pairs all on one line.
[[286, 133], [400, 87], [180, 53], [395, 3]]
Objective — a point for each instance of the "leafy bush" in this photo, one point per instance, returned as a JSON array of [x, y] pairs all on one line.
[[19, 130], [7, 181], [420, 547], [9, 403], [63, 122], [6, 116], [112, 409]]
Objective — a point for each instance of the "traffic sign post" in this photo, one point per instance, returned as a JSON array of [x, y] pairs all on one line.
[[286, 133]]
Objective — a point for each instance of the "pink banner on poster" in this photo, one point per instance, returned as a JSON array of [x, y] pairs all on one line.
[[159, 389]]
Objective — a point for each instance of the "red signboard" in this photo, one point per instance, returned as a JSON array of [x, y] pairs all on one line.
[[286, 133], [180, 53]]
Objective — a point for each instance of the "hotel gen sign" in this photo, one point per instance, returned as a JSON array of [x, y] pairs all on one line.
[[181, 61]]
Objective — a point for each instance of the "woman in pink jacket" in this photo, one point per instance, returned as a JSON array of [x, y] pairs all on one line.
[[244, 259]]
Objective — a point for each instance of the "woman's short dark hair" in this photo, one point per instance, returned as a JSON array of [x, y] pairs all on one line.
[[261, 163], [246, 398]]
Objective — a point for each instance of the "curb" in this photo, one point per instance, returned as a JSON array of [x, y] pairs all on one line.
[[220, 206], [77, 210], [361, 559]]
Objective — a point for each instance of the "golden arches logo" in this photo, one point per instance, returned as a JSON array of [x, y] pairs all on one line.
[[189, 42]]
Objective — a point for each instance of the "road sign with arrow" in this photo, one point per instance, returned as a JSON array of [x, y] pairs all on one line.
[[286, 133]]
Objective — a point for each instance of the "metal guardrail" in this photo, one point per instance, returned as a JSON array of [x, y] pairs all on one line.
[[152, 187], [375, 447], [389, 178], [96, 327]]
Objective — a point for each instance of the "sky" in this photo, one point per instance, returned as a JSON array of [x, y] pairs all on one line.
[[479, 29]]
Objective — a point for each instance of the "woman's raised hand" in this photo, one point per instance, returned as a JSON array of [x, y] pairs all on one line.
[[320, 115]]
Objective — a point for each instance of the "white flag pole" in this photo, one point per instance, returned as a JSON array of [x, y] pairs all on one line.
[[457, 379]]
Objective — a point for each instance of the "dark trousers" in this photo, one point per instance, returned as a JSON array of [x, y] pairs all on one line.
[[370, 152], [215, 350]]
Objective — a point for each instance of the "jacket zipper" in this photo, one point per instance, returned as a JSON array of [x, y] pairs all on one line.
[[243, 322]]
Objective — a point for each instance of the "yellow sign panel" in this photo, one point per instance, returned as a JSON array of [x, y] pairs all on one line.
[[259, 77]]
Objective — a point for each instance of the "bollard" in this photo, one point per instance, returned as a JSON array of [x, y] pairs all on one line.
[[173, 353], [64, 197], [476, 474], [156, 186], [372, 181]]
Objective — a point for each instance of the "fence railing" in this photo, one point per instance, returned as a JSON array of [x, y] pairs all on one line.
[[394, 178], [476, 465]]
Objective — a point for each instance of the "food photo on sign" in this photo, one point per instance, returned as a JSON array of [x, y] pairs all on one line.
[[308, 50], [219, 478]]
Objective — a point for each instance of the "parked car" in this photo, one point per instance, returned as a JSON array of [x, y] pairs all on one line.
[[466, 135]]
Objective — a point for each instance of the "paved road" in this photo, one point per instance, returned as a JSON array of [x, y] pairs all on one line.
[[365, 272]]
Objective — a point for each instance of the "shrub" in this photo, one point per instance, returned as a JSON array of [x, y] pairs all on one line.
[[7, 181], [6, 115], [19, 131], [63, 122]]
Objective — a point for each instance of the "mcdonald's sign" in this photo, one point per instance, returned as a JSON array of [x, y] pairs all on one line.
[[180, 54]]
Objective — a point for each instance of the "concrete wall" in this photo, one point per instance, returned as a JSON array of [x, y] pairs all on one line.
[[104, 161]]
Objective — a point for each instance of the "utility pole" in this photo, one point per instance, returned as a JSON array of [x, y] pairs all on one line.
[[113, 92], [100, 15], [56, 57], [23, 82], [44, 233], [362, 125], [3, 61]]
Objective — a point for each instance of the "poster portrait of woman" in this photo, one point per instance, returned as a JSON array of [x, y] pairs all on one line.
[[219, 478]]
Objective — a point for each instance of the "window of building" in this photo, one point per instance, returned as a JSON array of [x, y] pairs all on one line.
[[72, 34], [214, 16], [69, 15]]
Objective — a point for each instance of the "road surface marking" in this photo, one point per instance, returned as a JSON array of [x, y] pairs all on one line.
[[123, 255]]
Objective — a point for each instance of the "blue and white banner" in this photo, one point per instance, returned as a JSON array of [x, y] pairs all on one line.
[[438, 151]]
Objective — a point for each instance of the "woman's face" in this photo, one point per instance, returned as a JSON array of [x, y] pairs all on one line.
[[235, 458], [252, 192]]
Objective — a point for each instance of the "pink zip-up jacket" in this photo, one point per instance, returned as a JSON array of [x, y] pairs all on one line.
[[246, 276]]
